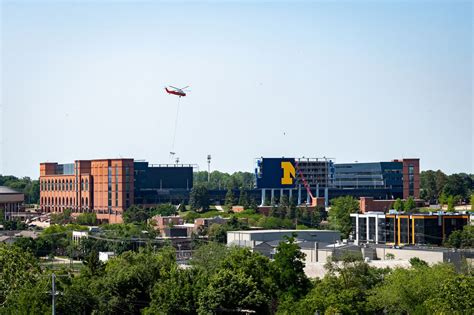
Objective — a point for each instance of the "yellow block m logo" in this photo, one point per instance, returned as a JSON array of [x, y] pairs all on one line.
[[288, 173]]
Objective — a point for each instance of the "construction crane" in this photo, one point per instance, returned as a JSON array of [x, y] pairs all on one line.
[[305, 184]]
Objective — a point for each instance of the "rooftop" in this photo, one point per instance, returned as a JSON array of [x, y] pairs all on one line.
[[8, 190], [281, 231]]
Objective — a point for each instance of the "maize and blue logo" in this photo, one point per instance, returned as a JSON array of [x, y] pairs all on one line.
[[276, 173], [289, 173]]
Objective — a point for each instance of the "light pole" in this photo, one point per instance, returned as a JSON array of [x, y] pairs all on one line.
[[208, 168]]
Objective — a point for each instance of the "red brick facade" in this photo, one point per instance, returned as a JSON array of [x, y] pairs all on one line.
[[367, 204], [411, 178], [101, 186]]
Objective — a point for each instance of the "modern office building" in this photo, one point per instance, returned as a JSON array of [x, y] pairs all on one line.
[[405, 229], [162, 183], [387, 180], [11, 202], [109, 186], [378, 180]]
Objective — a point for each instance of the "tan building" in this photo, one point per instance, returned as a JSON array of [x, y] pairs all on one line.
[[103, 186], [11, 202]]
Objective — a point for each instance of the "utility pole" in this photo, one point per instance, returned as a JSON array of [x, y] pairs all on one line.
[[54, 292], [208, 168]]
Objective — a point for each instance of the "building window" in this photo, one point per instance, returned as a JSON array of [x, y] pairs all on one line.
[[109, 179], [87, 185]]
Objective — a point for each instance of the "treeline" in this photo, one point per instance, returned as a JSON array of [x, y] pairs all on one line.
[[230, 281], [26, 185], [436, 185], [56, 240], [223, 181]]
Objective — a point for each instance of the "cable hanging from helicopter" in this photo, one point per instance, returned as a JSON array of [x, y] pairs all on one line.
[[180, 92]]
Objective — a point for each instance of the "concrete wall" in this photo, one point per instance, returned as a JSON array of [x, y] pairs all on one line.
[[321, 256], [274, 235], [431, 257]]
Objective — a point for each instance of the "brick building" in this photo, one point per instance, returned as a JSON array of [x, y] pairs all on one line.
[[103, 186]]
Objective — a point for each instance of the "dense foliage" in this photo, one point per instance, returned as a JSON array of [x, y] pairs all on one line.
[[199, 198], [220, 279], [339, 215], [137, 214], [220, 180], [461, 238], [435, 183]]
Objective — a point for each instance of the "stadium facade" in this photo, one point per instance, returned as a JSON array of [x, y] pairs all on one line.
[[307, 178]]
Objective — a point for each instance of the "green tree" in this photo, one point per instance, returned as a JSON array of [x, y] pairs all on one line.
[[461, 238], [343, 290], [30, 298], [417, 262], [165, 209], [451, 202], [428, 190], [288, 266], [283, 206], [229, 291], [175, 294], [472, 202], [18, 268], [229, 199], [62, 218], [199, 198], [398, 205], [219, 180], [441, 180], [86, 219], [218, 233], [442, 199], [454, 296], [130, 277], [291, 212], [409, 204], [411, 290], [339, 215], [208, 258], [77, 296], [458, 185], [135, 214], [244, 199], [93, 265]]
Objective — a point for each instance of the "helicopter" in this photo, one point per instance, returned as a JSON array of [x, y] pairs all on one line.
[[176, 91]]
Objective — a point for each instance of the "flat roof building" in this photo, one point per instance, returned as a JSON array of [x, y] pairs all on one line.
[[379, 180], [405, 229], [107, 187], [11, 202], [251, 238]]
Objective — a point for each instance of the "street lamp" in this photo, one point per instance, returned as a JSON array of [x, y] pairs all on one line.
[[208, 168]]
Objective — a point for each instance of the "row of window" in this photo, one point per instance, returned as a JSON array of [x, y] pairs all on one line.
[[62, 201], [63, 185]]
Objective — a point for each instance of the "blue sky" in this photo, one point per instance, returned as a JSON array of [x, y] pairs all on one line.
[[353, 80]]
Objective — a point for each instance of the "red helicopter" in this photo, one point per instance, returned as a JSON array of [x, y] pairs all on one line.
[[176, 91]]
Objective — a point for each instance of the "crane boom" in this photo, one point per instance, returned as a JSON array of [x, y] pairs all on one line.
[[305, 184]]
